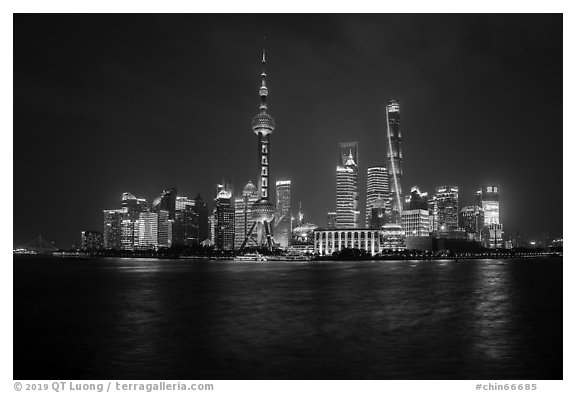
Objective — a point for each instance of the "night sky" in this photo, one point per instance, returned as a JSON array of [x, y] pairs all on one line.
[[105, 104]]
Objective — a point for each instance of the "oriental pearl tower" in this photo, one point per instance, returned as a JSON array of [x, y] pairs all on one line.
[[263, 126]]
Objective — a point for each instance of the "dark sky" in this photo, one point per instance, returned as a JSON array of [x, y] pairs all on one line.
[[110, 103]]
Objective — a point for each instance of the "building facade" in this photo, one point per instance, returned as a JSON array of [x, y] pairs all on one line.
[[283, 215], [471, 220], [91, 240], [148, 230], [447, 208], [223, 218], [489, 200], [416, 222], [377, 188], [394, 157], [112, 228], [347, 213]]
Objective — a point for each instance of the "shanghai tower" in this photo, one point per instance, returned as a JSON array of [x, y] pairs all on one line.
[[394, 158]]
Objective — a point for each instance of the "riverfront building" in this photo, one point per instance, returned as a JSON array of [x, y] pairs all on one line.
[[347, 213], [416, 223], [376, 189], [283, 216], [223, 218], [394, 157], [447, 207]]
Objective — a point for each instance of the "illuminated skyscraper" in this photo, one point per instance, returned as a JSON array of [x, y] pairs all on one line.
[[447, 205], [489, 200], [263, 126], [376, 188], [223, 218], [471, 220], [243, 214], [394, 157], [164, 229], [168, 202], [148, 230], [345, 149], [347, 213], [112, 229], [134, 206], [283, 216]]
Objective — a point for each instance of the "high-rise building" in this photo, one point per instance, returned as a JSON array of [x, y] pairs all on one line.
[[243, 215], [471, 220], [112, 230], [380, 213], [394, 157], [164, 229], [133, 206], [130, 233], [331, 220], [416, 199], [489, 200], [223, 218], [168, 202], [148, 230], [263, 126], [91, 240], [345, 149], [447, 205], [201, 209], [433, 214], [283, 216], [377, 189], [347, 213], [416, 223]]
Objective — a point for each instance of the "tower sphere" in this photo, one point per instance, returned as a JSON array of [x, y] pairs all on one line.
[[263, 210], [263, 123]]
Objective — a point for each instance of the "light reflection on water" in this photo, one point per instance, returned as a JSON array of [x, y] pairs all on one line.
[[139, 319]]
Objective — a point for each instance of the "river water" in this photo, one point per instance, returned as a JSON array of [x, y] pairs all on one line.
[[113, 318]]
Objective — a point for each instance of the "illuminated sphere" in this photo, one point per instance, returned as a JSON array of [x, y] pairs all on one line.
[[263, 211], [263, 123]]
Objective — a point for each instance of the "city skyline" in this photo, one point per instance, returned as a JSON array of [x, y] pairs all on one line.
[[174, 151]]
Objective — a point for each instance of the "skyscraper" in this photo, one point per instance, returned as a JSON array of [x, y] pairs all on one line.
[[148, 230], [243, 214], [112, 228], [347, 194], [394, 157], [164, 229], [201, 209], [168, 202], [489, 200], [283, 216], [417, 199], [376, 188], [345, 149], [223, 218], [471, 220], [447, 205], [134, 206], [263, 126], [331, 220]]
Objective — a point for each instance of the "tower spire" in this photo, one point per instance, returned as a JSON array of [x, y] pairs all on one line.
[[263, 88]]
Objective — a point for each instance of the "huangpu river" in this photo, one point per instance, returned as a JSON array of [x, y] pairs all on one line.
[[113, 318]]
